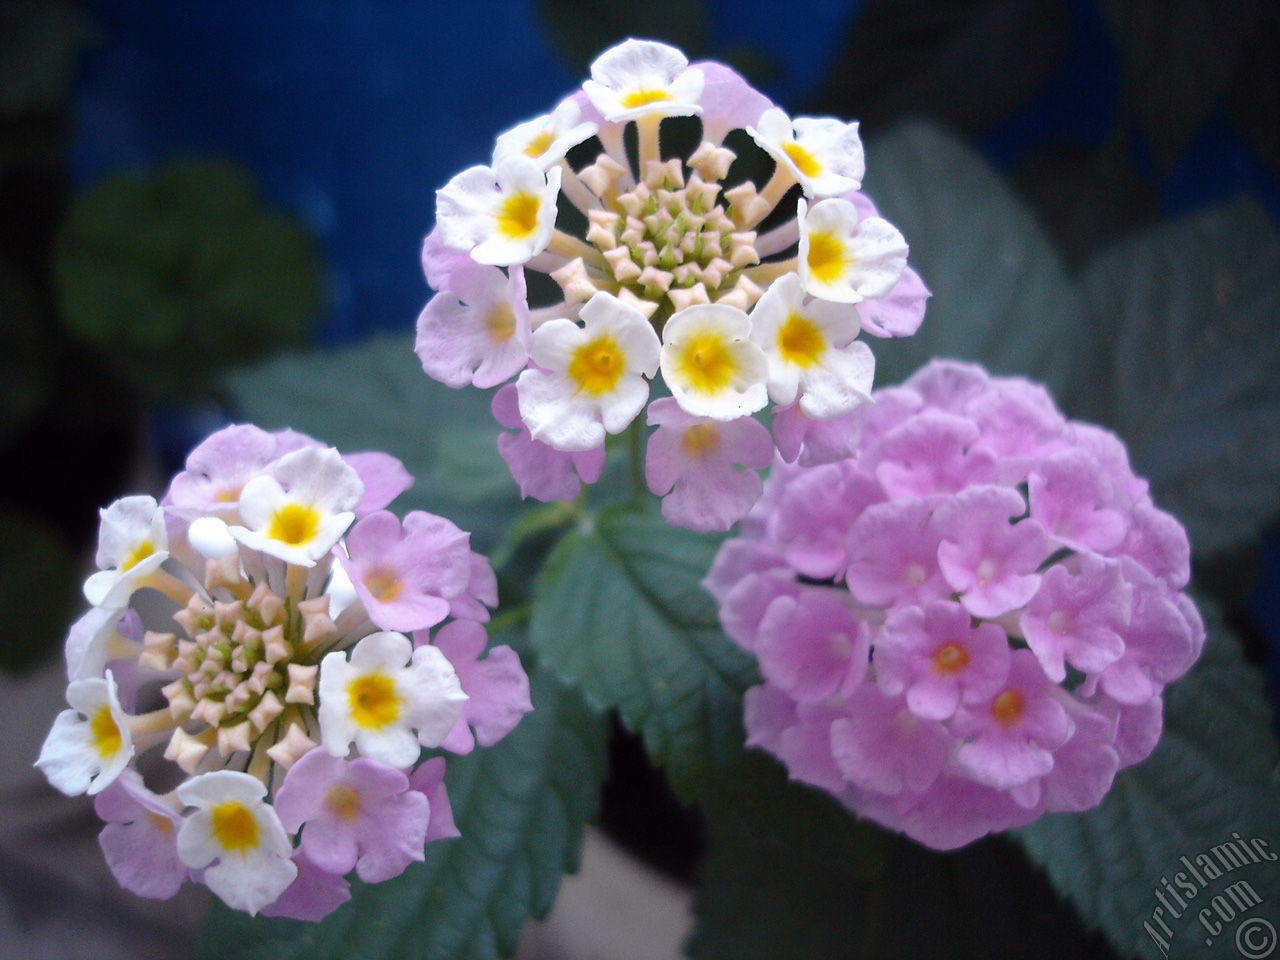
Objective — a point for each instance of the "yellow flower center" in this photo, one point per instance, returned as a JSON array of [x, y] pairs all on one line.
[[162, 825], [105, 733], [800, 342], [294, 524], [642, 98], [597, 365], [373, 700], [1007, 708], [383, 584], [500, 324], [135, 556], [705, 363], [950, 658], [518, 216], [538, 145], [826, 260], [802, 158], [228, 495], [700, 440], [234, 827], [343, 802]]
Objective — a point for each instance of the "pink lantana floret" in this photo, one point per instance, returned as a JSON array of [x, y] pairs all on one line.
[[693, 464], [497, 687], [139, 841], [359, 814], [407, 574], [540, 470]]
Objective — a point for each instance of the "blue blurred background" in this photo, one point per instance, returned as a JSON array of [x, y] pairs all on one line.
[[353, 112]]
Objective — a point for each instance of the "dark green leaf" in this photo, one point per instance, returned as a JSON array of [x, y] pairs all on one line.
[[1000, 295], [39, 44], [619, 611], [376, 397], [964, 62], [1212, 776], [520, 805], [184, 273], [1189, 369]]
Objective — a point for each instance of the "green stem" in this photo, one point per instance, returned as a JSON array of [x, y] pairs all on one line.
[[635, 434], [513, 617]]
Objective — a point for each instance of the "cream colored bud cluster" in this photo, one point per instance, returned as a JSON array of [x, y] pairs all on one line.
[[668, 242], [244, 662]]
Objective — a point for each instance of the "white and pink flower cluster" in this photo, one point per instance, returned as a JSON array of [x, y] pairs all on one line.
[[290, 647], [737, 294], [967, 623]]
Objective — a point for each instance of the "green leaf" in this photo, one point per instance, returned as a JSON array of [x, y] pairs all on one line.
[[183, 273], [1211, 776], [376, 397], [964, 62], [1000, 295], [520, 806], [619, 611], [1188, 370]]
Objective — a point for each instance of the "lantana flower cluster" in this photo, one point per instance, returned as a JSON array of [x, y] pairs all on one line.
[[739, 294], [970, 621], [289, 647]]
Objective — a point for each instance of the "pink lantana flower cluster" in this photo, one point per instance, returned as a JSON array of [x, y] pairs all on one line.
[[289, 647], [968, 622], [738, 294]]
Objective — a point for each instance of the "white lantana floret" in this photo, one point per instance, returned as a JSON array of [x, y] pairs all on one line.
[[89, 744], [640, 78], [710, 365], [501, 215], [299, 524], [846, 259], [383, 694], [592, 379], [234, 825], [546, 139], [132, 544], [823, 154], [811, 351], [94, 641]]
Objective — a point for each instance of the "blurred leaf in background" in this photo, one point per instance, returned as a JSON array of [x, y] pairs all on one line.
[[581, 29], [182, 274], [962, 62], [40, 42], [1180, 57]]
